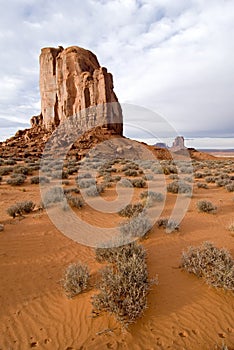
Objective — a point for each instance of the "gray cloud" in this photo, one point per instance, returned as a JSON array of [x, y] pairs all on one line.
[[175, 57]]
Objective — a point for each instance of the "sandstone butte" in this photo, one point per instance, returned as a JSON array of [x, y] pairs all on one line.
[[72, 83]]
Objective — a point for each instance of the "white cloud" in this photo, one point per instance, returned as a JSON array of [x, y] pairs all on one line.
[[175, 57]]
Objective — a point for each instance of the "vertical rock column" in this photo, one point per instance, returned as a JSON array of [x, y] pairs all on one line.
[[71, 80]]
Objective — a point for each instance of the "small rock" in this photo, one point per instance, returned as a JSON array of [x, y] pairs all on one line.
[[183, 334], [222, 335], [1, 227]]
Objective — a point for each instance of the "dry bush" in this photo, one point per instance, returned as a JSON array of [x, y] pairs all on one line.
[[9, 162], [169, 225], [94, 190], [130, 172], [16, 180], [39, 179], [76, 279], [20, 169], [206, 206], [131, 210], [210, 179], [124, 285], [202, 185], [86, 183], [152, 196], [179, 187], [21, 208], [230, 187], [125, 183], [139, 183], [53, 195], [137, 227], [215, 265], [231, 226], [74, 201]]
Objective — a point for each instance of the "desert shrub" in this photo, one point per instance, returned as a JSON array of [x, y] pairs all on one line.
[[10, 162], [210, 179], [21, 208], [174, 177], [222, 182], [230, 187], [169, 225], [186, 169], [222, 347], [202, 185], [124, 285], [231, 226], [86, 183], [215, 265], [125, 183], [138, 226], [130, 166], [116, 178], [131, 210], [53, 195], [71, 170], [188, 179], [0, 178], [84, 176], [59, 175], [199, 175], [6, 170], [206, 206], [16, 180], [39, 179], [76, 279], [131, 172], [71, 189], [20, 169], [155, 196], [74, 201], [95, 190], [179, 187], [65, 182], [139, 183]]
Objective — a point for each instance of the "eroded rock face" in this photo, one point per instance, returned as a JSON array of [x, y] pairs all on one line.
[[178, 144], [72, 80]]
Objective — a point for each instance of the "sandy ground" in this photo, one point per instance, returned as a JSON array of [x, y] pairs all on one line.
[[183, 312]]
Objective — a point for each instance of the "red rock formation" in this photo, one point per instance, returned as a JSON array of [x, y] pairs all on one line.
[[178, 144], [71, 80]]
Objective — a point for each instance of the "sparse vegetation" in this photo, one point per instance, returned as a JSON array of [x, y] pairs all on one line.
[[124, 285], [74, 201], [137, 227], [39, 179], [202, 185], [179, 187], [131, 210], [76, 279], [16, 180], [21, 208], [168, 224], [215, 265], [206, 206], [53, 195]]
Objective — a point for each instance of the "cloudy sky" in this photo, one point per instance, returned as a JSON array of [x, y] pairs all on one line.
[[173, 57]]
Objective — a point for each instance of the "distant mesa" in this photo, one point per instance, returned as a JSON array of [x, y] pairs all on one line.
[[161, 145], [178, 145]]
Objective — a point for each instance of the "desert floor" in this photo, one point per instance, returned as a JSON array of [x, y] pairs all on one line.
[[183, 312]]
